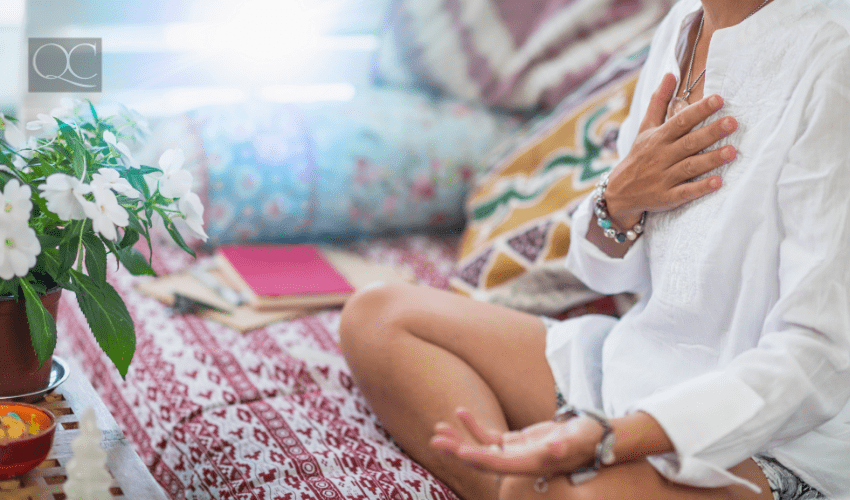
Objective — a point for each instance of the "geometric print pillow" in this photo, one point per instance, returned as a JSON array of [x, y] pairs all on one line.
[[512, 54], [517, 235]]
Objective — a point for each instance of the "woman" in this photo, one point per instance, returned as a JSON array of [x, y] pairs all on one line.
[[731, 376]]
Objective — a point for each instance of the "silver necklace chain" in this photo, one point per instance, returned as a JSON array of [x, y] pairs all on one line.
[[688, 86]]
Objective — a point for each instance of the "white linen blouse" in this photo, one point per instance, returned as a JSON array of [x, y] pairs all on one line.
[[740, 343]]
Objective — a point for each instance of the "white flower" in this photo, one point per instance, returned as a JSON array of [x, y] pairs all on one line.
[[109, 137], [19, 247], [15, 203], [105, 213], [19, 143], [109, 178], [192, 209], [65, 196], [25, 155], [14, 136], [47, 121], [122, 148], [174, 182]]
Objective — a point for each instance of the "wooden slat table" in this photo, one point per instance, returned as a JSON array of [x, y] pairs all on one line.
[[131, 479]]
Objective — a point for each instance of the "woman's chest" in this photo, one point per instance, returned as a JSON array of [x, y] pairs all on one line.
[[703, 248]]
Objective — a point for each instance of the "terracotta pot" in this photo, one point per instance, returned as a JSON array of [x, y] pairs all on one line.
[[19, 370]]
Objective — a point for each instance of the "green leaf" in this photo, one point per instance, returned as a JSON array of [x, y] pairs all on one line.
[[59, 148], [42, 324], [108, 318], [93, 112], [78, 156], [145, 169], [135, 223], [69, 247], [8, 287], [136, 179], [79, 161], [135, 262], [67, 133], [49, 240], [68, 255], [149, 213], [49, 260], [112, 248], [175, 235], [41, 205], [43, 169], [95, 257], [40, 288], [5, 159], [146, 233], [131, 236]]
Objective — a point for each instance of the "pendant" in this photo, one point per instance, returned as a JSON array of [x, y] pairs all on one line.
[[676, 105]]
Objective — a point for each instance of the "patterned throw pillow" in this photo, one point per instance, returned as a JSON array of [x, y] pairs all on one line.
[[518, 217], [387, 161], [515, 54]]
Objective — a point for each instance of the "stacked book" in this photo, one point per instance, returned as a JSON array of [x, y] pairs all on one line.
[[250, 286]]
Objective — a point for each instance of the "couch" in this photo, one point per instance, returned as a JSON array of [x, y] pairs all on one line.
[[399, 175]]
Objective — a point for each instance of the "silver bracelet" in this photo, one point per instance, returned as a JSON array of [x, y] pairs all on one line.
[[604, 450], [600, 208]]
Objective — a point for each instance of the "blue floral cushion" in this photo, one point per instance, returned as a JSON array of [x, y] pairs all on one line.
[[385, 161]]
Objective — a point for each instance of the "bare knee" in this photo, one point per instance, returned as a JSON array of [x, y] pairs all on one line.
[[368, 317]]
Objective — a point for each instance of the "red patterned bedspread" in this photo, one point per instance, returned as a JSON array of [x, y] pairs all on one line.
[[271, 414]]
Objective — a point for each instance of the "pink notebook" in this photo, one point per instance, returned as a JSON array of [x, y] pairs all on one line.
[[279, 274]]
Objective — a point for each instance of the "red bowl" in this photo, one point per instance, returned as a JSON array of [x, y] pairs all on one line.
[[20, 455]]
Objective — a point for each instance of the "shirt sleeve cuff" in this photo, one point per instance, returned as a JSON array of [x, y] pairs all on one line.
[[696, 472], [717, 405], [599, 271]]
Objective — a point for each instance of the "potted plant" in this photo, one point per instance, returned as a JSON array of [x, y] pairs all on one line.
[[71, 195]]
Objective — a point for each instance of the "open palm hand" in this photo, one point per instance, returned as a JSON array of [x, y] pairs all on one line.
[[541, 449]]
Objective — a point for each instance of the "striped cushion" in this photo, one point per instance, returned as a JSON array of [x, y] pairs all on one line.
[[518, 225], [516, 54]]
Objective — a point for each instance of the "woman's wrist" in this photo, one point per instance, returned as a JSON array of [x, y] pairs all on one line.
[[639, 435], [623, 218], [610, 228], [621, 213], [619, 440]]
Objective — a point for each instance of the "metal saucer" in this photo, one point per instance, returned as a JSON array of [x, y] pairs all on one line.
[[58, 373]]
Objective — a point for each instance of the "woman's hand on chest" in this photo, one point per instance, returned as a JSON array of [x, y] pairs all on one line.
[[658, 173]]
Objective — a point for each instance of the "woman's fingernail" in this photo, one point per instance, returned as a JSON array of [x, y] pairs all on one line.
[[715, 102], [728, 124], [714, 183], [727, 153]]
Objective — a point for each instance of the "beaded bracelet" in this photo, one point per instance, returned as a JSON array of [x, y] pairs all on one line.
[[601, 210], [604, 449]]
